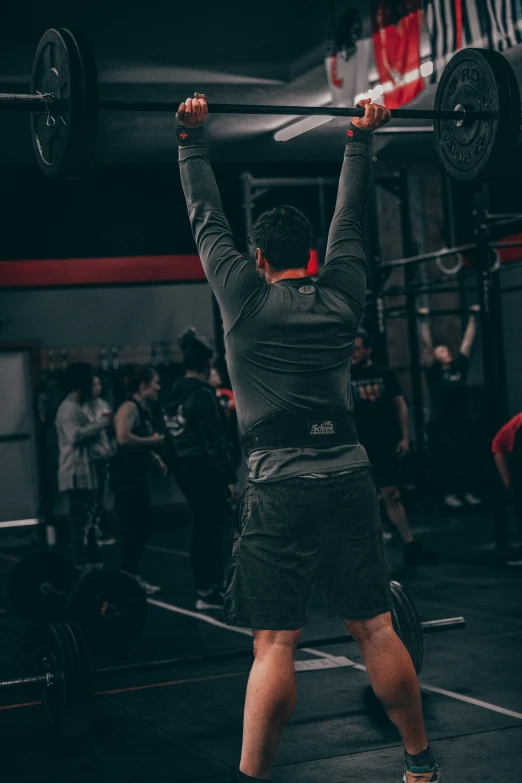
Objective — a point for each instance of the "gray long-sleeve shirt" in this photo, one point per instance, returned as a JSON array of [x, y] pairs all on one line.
[[289, 344], [76, 434]]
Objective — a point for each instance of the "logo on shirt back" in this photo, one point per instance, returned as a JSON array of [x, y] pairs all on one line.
[[306, 289], [176, 422], [324, 428]]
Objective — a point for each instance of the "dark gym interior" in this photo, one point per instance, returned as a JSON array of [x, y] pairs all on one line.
[[99, 270]]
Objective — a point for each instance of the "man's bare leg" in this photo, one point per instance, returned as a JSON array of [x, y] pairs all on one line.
[[392, 677], [270, 700]]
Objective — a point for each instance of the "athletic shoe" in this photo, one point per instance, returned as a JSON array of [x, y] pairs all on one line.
[[106, 541], [149, 589], [472, 500], [415, 553], [452, 501], [212, 599], [422, 774]]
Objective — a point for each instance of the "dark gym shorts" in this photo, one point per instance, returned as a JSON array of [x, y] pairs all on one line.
[[301, 532], [384, 461]]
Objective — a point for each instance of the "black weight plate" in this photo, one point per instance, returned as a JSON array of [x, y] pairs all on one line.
[[109, 606], [39, 585], [479, 80], [67, 697], [64, 136], [407, 624]]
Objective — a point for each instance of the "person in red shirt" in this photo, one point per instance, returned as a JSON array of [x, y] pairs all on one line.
[[507, 453]]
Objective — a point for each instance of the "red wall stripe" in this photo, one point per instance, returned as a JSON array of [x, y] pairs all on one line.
[[52, 273]]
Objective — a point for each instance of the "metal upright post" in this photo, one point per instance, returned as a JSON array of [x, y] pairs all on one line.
[[493, 357], [410, 278], [377, 276]]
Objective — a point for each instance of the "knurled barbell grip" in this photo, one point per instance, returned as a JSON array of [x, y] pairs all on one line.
[[25, 102], [24, 682]]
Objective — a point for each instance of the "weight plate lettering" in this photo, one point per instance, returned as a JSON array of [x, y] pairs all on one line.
[[64, 134], [478, 80]]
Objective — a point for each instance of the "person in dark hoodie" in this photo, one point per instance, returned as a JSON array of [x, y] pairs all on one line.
[[203, 466]]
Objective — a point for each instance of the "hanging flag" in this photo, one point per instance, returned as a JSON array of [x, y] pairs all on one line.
[[349, 59], [396, 41], [459, 24]]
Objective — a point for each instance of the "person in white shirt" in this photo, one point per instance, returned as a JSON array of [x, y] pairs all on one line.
[[103, 450]]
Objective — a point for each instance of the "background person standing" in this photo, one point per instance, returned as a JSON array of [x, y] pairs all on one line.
[[130, 469], [103, 450], [204, 470], [381, 415], [449, 430], [77, 435]]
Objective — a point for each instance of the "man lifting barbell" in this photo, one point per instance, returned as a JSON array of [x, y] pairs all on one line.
[[310, 511]]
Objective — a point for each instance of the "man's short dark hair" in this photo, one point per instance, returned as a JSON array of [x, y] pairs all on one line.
[[367, 339], [197, 353], [78, 377], [284, 236], [140, 375]]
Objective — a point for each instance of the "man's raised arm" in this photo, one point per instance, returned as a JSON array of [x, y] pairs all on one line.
[[232, 277], [345, 263]]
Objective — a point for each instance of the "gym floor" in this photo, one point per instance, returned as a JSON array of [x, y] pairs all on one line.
[[184, 724]]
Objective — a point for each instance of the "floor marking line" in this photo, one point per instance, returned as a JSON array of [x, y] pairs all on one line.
[[305, 666], [9, 557], [168, 551], [245, 631], [150, 685], [199, 616], [469, 700], [16, 706]]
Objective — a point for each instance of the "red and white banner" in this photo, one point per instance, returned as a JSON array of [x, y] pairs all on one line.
[[396, 41], [459, 24], [349, 60]]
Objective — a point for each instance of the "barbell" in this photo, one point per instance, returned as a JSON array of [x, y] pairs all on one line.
[[66, 676], [476, 112], [109, 606]]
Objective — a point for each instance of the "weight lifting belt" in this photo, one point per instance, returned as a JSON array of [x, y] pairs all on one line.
[[302, 429]]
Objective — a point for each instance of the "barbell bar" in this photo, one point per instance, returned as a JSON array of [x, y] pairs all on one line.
[[66, 673], [32, 102], [476, 113]]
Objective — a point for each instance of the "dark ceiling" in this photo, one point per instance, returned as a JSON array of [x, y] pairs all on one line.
[[263, 51]]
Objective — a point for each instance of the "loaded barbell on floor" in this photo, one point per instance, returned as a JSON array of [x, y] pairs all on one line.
[[109, 606], [66, 676], [476, 112]]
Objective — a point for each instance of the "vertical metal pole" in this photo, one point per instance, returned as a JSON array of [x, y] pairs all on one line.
[[377, 276], [410, 278], [450, 234], [493, 358]]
